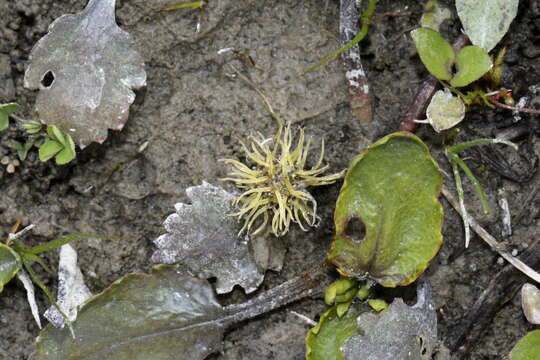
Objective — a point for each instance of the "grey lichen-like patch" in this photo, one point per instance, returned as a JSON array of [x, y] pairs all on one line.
[[445, 110], [72, 291], [204, 237], [30, 294], [86, 70], [401, 332]]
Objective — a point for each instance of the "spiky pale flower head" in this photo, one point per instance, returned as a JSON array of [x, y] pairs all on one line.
[[275, 185]]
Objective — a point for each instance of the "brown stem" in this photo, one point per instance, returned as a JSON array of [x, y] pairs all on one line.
[[422, 98], [513, 108]]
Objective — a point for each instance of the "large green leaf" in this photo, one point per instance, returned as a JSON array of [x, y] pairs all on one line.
[[10, 264], [486, 21], [435, 52], [323, 342], [388, 218], [472, 63], [528, 348], [168, 314]]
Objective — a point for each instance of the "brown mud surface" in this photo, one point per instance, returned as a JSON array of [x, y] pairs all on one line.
[[195, 111]]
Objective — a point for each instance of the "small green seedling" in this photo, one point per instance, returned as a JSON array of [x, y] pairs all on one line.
[[5, 111], [58, 145], [16, 256], [472, 62], [457, 163]]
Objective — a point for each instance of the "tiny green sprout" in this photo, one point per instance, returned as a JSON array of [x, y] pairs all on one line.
[[378, 304], [58, 145], [5, 111], [456, 162], [275, 184], [32, 126]]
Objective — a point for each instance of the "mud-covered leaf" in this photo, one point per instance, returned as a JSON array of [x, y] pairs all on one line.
[[10, 264], [527, 348], [486, 21], [472, 63], [5, 110], [445, 110], [204, 237], [323, 342], [388, 218], [165, 315], [435, 52], [402, 332], [434, 15], [72, 291], [85, 69]]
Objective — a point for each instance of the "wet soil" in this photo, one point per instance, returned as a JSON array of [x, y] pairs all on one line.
[[195, 111]]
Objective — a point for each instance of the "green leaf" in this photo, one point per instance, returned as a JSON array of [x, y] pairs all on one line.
[[435, 52], [5, 110], [168, 314], [49, 149], [56, 134], [486, 21], [323, 342], [472, 63], [68, 153], [388, 218], [10, 264], [445, 110], [527, 348]]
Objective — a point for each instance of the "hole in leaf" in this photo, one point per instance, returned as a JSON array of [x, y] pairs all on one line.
[[48, 79], [355, 229]]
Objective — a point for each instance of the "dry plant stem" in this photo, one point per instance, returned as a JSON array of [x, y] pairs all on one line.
[[491, 241], [295, 289], [501, 289], [420, 102], [359, 98], [513, 108]]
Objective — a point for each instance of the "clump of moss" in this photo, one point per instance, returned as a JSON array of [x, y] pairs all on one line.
[[274, 187]]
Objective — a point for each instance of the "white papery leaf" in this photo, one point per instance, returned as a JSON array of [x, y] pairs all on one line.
[[445, 110], [30, 294]]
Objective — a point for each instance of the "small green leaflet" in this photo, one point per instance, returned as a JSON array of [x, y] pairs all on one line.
[[5, 110]]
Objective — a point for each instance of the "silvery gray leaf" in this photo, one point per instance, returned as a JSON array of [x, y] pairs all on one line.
[[204, 237], [30, 294], [72, 292], [85, 69], [401, 332]]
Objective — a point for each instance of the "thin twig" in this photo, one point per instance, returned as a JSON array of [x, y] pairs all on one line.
[[491, 241], [513, 108], [359, 98]]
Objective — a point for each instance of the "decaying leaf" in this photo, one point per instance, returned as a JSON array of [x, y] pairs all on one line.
[[445, 110], [401, 332], [388, 218], [165, 315], [85, 69], [204, 237], [72, 292], [530, 303], [486, 21], [30, 294]]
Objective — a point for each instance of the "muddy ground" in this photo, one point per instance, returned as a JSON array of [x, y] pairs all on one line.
[[194, 112]]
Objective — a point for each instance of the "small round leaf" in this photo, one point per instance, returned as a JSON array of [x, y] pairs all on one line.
[[435, 52], [527, 348], [472, 63], [49, 149], [445, 110]]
